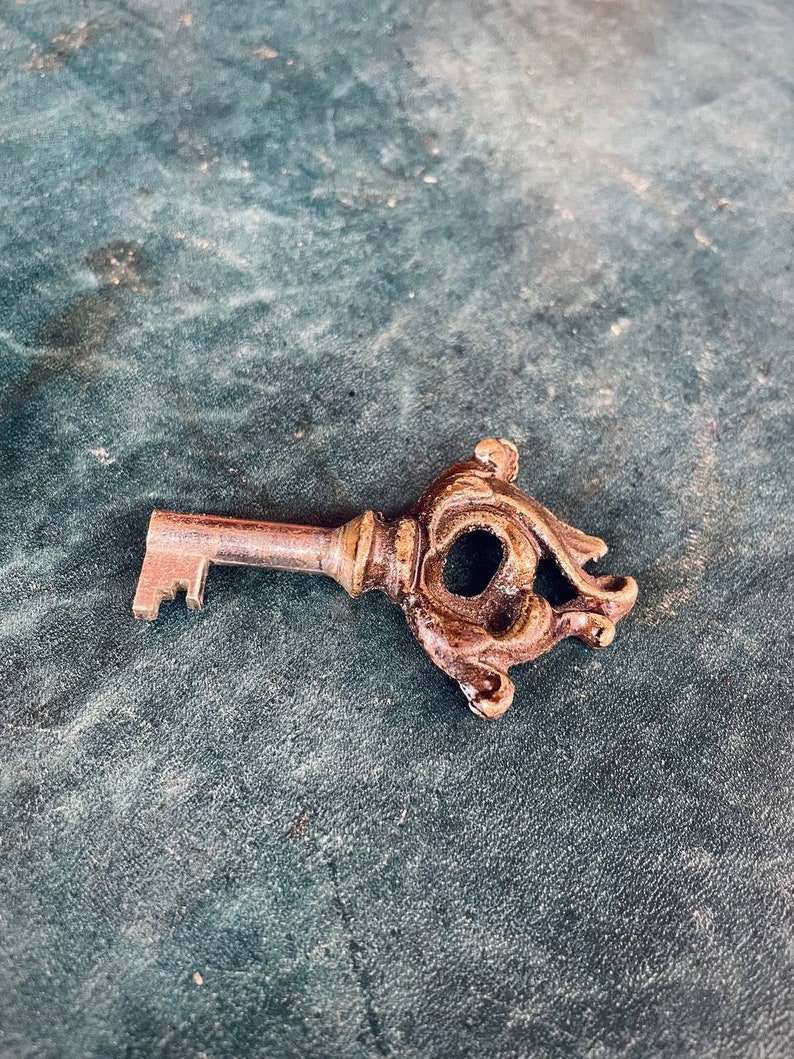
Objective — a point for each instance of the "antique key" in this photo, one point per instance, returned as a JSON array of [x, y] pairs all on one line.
[[474, 639]]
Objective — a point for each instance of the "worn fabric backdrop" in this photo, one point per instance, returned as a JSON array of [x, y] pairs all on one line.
[[289, 260]]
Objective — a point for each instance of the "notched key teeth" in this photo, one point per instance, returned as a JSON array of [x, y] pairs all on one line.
[[163, 576]]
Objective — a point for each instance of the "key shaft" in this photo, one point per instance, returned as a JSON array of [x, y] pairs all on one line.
[[180, 549]]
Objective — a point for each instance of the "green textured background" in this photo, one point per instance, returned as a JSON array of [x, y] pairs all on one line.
[[295, 285]]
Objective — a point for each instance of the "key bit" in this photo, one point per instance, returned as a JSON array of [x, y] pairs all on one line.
[[474, 639]]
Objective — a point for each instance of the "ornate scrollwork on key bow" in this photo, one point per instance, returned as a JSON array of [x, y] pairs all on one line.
[[476, 639]]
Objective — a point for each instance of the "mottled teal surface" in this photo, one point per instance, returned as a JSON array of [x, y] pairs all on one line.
[[289, 260]]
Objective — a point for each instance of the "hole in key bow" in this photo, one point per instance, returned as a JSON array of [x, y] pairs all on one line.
[[472, 562], [552, 584]]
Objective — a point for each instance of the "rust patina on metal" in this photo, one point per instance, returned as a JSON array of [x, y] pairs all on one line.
[[475, 639]]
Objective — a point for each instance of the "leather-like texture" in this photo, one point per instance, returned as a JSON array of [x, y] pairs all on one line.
[[297, 285]]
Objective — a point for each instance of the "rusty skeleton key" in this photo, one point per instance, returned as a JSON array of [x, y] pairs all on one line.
[[473, 639]]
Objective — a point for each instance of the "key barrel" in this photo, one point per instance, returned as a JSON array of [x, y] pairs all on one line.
[[180, 549]]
